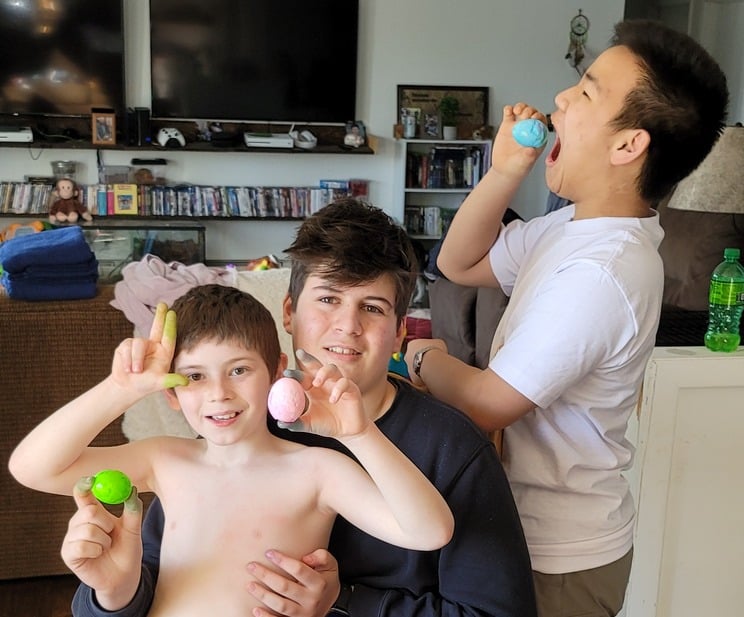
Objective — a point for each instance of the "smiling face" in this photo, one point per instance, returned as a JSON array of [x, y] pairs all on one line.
[[65, 189], [353, 327], [226, 399], [582, 163]]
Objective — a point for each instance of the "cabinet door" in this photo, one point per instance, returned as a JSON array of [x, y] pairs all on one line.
[[689, 546]]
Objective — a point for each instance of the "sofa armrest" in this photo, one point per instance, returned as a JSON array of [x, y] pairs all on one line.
[[51, 353]]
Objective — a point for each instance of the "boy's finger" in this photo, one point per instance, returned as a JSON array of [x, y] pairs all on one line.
[[171, 380], [131, 517], [168, 335], [156, 330], [81, 492], [303, 378], [307, 361]]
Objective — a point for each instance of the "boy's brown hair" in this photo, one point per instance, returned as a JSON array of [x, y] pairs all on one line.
[[220, 313], [351, 243]]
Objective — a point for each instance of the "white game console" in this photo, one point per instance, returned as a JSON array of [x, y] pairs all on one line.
[[268, 140], [17, 134]]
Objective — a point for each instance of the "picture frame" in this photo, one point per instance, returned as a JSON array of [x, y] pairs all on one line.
[[103, 127], [473, 109], [431, 127]]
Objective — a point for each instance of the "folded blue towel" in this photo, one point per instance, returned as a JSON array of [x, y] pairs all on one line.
[[58, 273], [61, 246], [50, 290]]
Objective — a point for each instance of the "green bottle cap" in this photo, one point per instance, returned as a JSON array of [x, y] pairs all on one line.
[[731, 254]]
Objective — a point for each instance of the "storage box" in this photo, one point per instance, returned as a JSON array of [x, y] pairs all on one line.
[[148, 171], [114, 174], [117, 243]]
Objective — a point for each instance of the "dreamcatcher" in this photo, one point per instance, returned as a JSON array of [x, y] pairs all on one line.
[[577, 39]]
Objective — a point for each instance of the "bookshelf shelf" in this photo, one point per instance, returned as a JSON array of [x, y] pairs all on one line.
[[437, 176]]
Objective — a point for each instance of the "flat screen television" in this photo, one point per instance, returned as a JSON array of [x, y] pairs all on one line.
[[254, 60], [61, 57]]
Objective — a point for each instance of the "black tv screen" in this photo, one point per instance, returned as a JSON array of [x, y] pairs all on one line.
[[254, 60], [61, 58]]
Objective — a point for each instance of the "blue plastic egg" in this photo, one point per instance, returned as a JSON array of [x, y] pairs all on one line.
[[530, 133]]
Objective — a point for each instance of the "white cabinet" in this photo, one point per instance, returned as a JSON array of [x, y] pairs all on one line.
[[437, 176], [689, 546]]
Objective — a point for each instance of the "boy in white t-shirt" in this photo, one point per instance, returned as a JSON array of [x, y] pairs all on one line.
[[585, 283]]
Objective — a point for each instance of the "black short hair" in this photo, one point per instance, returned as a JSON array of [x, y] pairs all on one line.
[[681, 101]]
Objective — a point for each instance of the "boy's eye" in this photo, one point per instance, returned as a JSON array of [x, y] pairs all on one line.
[[239, 370], [194, 376], [371, 308], [327, 299]]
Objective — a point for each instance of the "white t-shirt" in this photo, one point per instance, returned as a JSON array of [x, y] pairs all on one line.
[[575, 339]]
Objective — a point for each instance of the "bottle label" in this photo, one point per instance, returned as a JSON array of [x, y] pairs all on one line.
[[726, 293]]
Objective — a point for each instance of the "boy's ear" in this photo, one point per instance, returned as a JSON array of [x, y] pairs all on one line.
[[283, 363], [172, 399], [287, 314], [400, 335], [630, 145]]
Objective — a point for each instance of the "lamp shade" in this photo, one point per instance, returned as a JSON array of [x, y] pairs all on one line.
[[717, 185]]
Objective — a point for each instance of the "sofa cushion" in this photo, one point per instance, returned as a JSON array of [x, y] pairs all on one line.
[[692, 247]]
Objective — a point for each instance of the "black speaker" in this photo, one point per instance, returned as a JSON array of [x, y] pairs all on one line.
[[138, 126]]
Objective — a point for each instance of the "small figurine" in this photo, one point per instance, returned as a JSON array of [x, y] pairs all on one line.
[[111, 486], [355, 134], [67, 206]]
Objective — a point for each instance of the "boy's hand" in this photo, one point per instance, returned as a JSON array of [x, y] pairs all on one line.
[[335, 403], [103, 550], [507, 155], [143, 364], [304, 588]]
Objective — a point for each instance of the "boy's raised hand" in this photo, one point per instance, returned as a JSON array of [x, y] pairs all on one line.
[[507, 155], [143, 364], [103, 550], [335, 408]]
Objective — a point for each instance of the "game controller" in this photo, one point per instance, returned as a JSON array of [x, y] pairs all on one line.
[[168, 137]]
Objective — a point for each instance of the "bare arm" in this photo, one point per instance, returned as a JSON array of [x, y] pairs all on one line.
[[55, 454], [476, 226], [393, 500], [490, 401]]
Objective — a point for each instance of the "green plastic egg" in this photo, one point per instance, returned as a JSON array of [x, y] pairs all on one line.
[[111, 486]]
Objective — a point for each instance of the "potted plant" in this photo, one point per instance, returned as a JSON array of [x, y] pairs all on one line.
[[448, 108]]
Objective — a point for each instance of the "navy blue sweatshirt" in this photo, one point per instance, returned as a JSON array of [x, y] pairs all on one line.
[[485, 568]]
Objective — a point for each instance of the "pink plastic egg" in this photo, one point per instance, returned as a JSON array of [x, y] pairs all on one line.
[[287, 399]]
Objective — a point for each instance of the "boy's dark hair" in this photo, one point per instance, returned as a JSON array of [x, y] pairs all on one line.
[[220, 313], [681, 101], [351, 243]]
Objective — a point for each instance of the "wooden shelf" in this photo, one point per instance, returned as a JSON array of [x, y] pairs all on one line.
[[74, 133]]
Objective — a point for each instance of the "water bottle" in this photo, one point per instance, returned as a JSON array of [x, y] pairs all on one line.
[[726, 301]]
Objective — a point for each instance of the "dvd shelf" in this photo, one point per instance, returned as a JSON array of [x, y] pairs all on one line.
[[186, 201]]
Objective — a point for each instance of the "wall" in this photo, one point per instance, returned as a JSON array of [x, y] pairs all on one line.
[[514, 46]]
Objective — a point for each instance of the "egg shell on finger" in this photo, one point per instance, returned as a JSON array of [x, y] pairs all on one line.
[[287, 399], [530, 133]]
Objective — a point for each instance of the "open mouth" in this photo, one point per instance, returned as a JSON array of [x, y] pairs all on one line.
[[342, 351], [554, 152], [224, 418]]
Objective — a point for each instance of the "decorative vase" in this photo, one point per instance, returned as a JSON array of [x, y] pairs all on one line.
[[449, 132]]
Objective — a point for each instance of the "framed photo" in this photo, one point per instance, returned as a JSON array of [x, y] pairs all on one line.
[[430, 127], [473, 109], [103, 127]]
